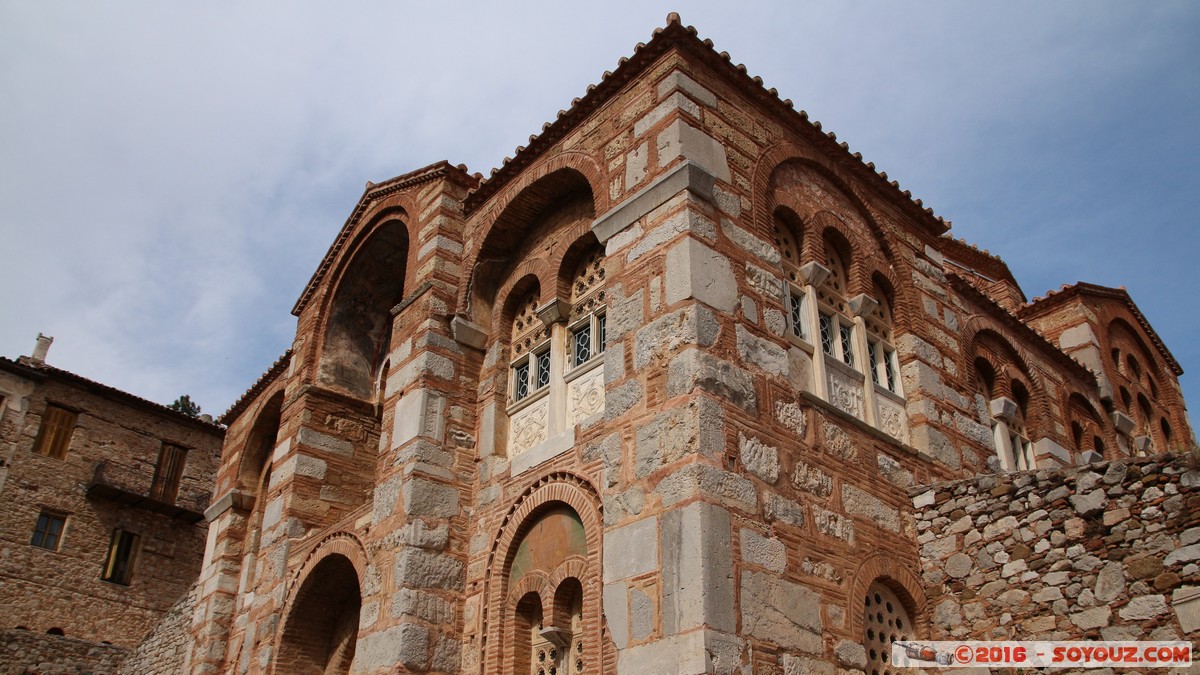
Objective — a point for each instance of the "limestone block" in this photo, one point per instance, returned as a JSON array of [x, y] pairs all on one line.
[[683, 140], [1144, 607], [759, 459], [625, 313], [780, 611], [621, 399], [1186, 603], [675, 101], [636, 161], [694, 653], [705, 480], [406, 644], [792, 416], [694, 369], [697, 572], [676, 433], [616, 612], [695, 271], [324, 442], [641, 614], [420, 412], [1097, 617], [812, 480], [760, 352], [858, 502], [631, 550], [408, 602], [760, 249], [851, 654], [762, 551], [430, 499], [687, 220], [693, 325], [763, 282], [677, 79], [782, 509], [418, 568]]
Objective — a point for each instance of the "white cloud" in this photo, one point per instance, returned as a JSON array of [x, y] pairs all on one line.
[[172, 173]]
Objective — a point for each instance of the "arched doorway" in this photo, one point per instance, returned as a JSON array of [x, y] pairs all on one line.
[[321, 629]]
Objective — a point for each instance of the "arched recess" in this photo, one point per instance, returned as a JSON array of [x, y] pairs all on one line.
[[872, 251], [357, 319], [905, 583], [514, 572], [1087, 427], [984, 337], [260, 443], [319, 633], [515, 213]]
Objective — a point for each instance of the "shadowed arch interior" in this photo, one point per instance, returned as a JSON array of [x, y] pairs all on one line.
[[260, 444], [321, 631], [359, 318]]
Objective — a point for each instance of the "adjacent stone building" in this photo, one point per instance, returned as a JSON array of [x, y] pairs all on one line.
[[659, 396], [102, 496]]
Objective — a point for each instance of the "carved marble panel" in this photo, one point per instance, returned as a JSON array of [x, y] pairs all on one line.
[[846, 392], [585, 396], [893, 418], [529, 427]]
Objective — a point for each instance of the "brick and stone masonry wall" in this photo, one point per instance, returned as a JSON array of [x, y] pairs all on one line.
[[26, 652], [167, 648], [1102, 551]]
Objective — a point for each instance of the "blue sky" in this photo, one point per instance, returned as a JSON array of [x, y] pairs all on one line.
[[172, 173]]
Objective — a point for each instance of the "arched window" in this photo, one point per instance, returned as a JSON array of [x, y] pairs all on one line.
[[885, 620], [587, 329], [834, 323], [529, 351], [1018, 434], [789, 252], [1166, 431], [881, 355]]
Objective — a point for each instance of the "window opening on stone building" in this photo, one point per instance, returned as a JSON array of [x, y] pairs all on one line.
[[530, 351], [48, 532], [789, 254], [884, 621], [880, 353], [588, 326], [168, 473], [118, 568], [837, 329], [54, 435], [1022, 449]]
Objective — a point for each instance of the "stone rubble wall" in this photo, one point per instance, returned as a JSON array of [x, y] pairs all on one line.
[[167, 649], [1103, 551], [25, 652]]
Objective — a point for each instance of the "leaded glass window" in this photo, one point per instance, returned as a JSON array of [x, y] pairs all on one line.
[[844, 330], [521, 381], [581, 344], [543, 370], [796, 313], [826, 333]]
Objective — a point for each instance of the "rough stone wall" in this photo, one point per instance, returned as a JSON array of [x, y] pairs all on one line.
[[168, 648], [1104, 551], [24, 652], [44, 589]]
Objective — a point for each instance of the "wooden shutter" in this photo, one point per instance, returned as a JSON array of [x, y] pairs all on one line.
[[54, 436], [167, 474]]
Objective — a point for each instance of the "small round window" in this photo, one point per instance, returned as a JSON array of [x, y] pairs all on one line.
[[884, 622]]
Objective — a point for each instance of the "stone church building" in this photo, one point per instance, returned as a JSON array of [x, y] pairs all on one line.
[[686, 386]]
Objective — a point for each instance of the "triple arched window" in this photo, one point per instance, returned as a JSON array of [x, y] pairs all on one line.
[[848, 335]]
